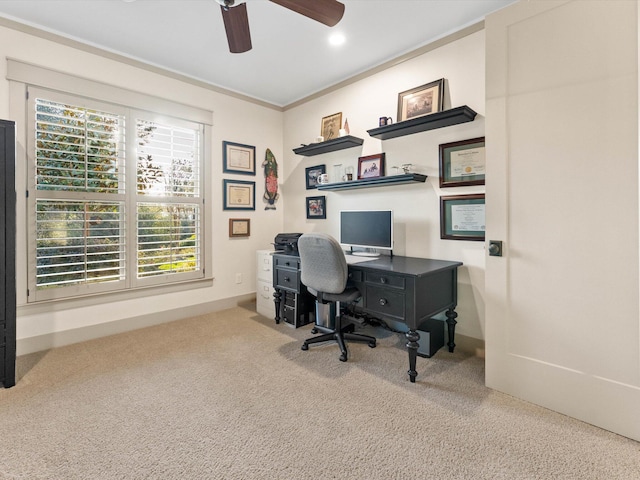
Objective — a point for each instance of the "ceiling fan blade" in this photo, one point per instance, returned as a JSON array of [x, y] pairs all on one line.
[[329, 12], [236, 23]]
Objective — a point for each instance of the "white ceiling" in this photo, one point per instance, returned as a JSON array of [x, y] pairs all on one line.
[[291, 56]]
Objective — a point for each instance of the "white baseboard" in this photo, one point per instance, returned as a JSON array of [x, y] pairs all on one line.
[[39, 343]]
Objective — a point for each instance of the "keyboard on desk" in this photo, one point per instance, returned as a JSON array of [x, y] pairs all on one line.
[[352, 259]]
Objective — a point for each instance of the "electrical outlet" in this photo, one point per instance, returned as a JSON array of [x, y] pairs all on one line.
[[238, 278]]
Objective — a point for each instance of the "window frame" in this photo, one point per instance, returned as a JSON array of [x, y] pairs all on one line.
[[131, 282]]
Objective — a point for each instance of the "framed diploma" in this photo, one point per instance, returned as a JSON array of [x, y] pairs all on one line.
[[462, 217], [462, 163], [238, 158], [239, 227], [239, 195]]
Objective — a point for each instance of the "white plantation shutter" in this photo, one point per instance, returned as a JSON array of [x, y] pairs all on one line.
[[169, 203], [116, 198]]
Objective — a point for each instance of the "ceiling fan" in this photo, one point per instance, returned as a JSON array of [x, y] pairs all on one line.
[[236, 21]]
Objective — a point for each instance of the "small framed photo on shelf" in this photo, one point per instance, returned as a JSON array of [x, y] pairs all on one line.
[[371, 166], [239, 195], [239, 227], [421, 101], [316, 207], [462, 163], [312, 174], [331, 126], [462, 217], [238, 158]]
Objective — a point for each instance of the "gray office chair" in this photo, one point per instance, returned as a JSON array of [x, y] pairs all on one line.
[[324, 271]]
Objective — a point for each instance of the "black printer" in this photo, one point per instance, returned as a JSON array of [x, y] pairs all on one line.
[[286, 242]]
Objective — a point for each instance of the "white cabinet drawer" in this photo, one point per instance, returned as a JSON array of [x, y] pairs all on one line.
[[264, 265], [264, 299]]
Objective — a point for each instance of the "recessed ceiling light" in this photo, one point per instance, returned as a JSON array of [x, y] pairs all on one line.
[[337, 39]]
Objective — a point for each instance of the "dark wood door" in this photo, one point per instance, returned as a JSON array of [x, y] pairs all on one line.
[[7, 255]]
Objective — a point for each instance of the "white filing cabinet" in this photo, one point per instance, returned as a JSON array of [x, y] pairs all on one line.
[[264, 283]]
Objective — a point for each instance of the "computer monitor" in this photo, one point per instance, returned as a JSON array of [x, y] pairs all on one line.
[[368, 229]]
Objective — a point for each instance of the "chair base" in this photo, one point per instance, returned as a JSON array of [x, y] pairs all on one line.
[[339, 335]]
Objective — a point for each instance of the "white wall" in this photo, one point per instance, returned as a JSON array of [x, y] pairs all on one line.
[[416, 207], [234, 120]]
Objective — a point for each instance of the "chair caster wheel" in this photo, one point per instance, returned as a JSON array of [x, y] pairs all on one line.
[[314, 330], [372, 344], [343, 358], [304, 347]]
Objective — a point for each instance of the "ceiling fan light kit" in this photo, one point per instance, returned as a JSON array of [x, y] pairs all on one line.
[[236, 21]]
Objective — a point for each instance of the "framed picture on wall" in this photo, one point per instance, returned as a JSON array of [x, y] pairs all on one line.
[[371, 166], [239, 195], [462, 163], [239, 227], [238, 158], [312, 174], [316, 207], [462, 217], [420, 101]]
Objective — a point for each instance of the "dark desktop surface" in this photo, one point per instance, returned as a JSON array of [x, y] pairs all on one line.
[[406, 265]]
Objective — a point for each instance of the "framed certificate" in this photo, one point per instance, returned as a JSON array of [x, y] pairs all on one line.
[[462, 217], [239, 195], [239, 227], [238, 158], [462, 163]]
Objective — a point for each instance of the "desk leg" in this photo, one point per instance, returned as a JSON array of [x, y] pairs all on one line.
[[277, 297], [412, 348], [451, 326]]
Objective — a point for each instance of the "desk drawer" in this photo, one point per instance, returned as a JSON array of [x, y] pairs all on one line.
[[287, 279], [385, 301], [282, 261], [381, 278]]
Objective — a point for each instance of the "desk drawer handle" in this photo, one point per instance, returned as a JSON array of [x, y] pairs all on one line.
[[287, 279], [383, 280], [383, 302]]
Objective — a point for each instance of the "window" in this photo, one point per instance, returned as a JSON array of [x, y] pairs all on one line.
[[115, 197]]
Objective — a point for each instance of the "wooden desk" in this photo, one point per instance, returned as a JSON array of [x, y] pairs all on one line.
[[405, 289], [409, 290]]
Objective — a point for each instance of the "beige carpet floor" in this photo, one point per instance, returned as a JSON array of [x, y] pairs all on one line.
[[230, 395]]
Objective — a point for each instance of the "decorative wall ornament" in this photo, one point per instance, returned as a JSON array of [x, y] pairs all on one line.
[[271, 194]]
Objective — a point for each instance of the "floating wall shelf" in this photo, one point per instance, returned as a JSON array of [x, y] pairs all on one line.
[[333, 145], [447, 118], [375, 182]]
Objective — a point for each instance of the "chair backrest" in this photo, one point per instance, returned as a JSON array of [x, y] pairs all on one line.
[[323, 266]]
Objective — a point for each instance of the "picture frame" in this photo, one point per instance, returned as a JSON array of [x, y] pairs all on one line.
[[462, 217], [239, 227], [238, 158], [420, 101], [371, 166], [316, 207], [462, 163], [238, 195], [331, 125], [312, 174]]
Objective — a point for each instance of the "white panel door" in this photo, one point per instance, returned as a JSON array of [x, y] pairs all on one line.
[[562, 303]]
